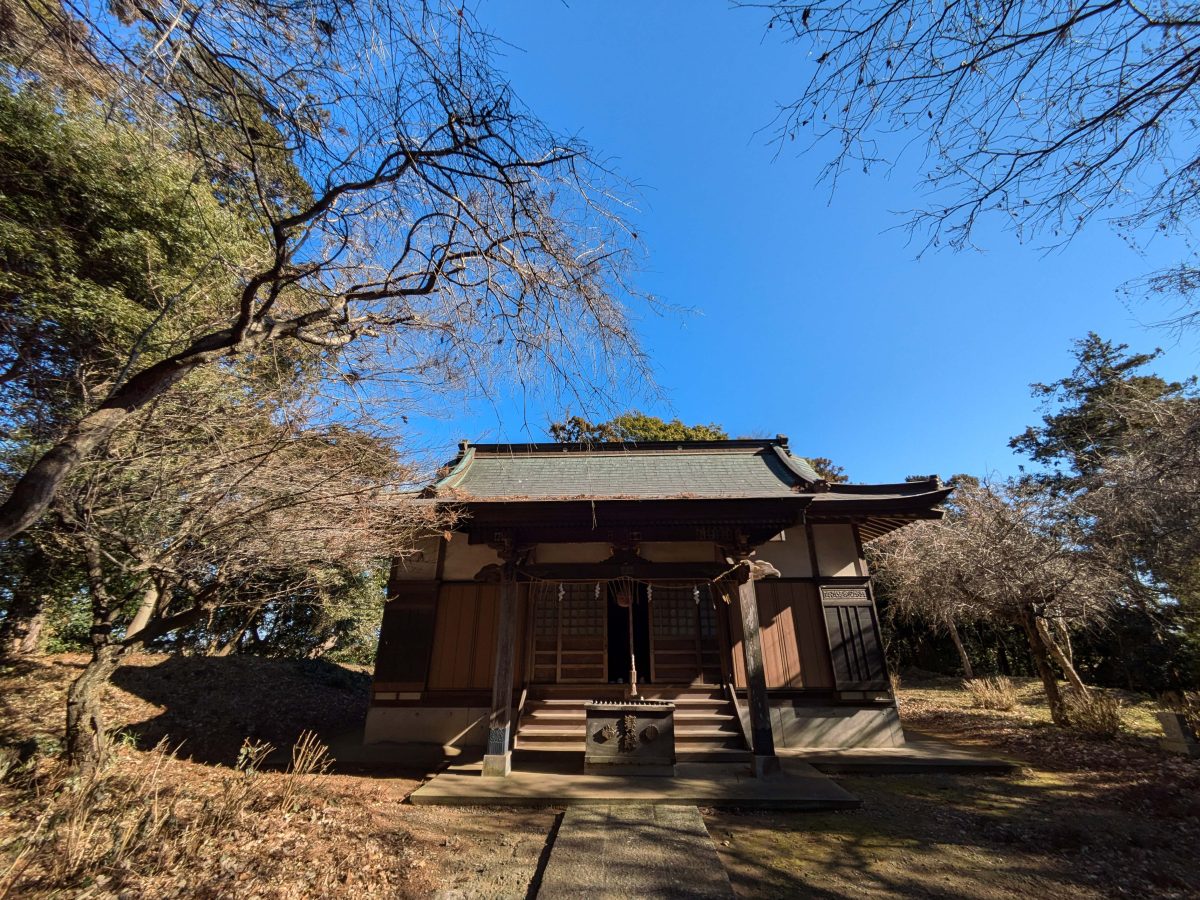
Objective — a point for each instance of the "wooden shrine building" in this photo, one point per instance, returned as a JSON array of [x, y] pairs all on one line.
[[724, 575]]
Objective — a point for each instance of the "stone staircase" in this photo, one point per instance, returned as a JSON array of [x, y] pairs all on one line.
[[706, 725]]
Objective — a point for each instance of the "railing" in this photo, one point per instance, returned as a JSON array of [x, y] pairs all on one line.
[[512, 732], [743, 717]]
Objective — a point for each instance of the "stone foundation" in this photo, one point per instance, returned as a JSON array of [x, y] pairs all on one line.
[[796, 725], [453, 728]]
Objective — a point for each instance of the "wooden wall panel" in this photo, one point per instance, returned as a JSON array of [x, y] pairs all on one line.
[[816, 669], [793, 636], [464, 640], [449, 669], [406, 636]]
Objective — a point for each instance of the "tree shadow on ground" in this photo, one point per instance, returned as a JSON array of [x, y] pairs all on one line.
[[210, 705], [979, 836]]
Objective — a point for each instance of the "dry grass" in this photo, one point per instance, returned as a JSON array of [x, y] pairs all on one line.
[[197, 815], [992, 692], [149, 824], [1096, 714], [1085, 818], [134, 822]]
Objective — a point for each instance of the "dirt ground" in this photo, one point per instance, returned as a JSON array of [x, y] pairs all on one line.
[[139, 832], [1085, 818]]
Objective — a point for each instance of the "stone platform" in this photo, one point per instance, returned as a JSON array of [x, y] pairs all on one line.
[[918, 755], [615, 852], [557, 779]]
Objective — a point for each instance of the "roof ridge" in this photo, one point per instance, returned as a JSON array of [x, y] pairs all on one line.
[[629, 446]]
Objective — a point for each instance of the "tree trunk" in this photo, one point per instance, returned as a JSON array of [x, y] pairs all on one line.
[[21, 630], [1041, 660], [87, 741], [1002, 662], [1060, 626], [968, 671], [1061, 658], [146, 609], [33, 493], [324, 647]]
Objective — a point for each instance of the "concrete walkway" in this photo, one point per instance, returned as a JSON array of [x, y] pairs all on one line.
[[557, 779], [611, 852]]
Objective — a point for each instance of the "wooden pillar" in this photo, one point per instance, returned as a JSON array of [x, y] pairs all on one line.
[[497, 762], [761, 738]]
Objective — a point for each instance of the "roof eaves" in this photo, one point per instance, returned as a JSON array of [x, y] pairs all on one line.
[[931, 485], [458, 473], [796, 465]]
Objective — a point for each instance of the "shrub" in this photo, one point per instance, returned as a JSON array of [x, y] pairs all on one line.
[[1094, 714], [992, 692]]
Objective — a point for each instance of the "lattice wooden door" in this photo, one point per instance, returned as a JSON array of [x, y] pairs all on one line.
[[683, 633], [570, 630]]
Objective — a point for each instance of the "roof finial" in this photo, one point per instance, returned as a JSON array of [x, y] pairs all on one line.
[[464, 444], [781, 439]]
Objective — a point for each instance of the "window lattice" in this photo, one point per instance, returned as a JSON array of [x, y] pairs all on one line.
[[545, 618], [583, 613], [674, 612]]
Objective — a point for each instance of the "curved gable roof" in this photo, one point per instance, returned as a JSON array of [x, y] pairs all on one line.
[[603, 471]]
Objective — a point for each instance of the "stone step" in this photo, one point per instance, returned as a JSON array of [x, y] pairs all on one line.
[[691, 751], [686, 734], [617, 692], [580, 703], [566, 714]]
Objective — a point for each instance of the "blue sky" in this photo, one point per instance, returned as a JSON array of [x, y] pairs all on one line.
[[812, 316]]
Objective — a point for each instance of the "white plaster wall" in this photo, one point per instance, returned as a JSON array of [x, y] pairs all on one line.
[[591, 552], [789, 555], [837, 551], [421, 565], [677, 551], [464, 560]]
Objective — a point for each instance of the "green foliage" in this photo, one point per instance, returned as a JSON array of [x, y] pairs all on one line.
[[306, 612], [827, 469], [632, 427], [1080, 430], [109, 247], [1147, 653], [68, 623]]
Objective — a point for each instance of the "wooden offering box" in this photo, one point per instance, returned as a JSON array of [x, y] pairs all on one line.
[[630, 737]]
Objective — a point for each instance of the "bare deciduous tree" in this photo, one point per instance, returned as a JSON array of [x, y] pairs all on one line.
[[1043, 115], [1143, 502], [409, 205], [1004, 556], [213, 497]]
